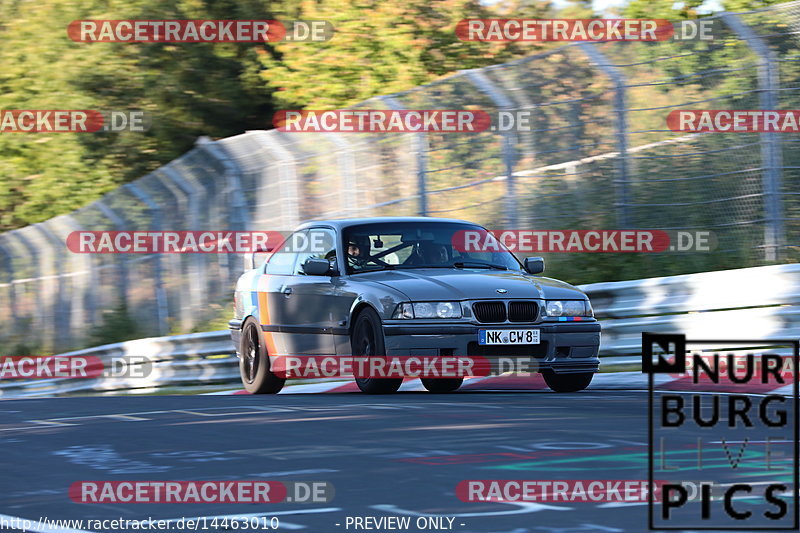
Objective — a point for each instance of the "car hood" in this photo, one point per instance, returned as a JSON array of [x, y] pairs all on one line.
[[466, 284]]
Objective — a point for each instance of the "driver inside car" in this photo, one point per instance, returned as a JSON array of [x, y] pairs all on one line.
[[428, 253], [353, 255], [356, 255]]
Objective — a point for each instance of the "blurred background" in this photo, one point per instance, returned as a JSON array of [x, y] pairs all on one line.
[[598, 156]]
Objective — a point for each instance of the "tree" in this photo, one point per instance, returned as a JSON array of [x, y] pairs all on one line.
[[378, 48], [188, 89]]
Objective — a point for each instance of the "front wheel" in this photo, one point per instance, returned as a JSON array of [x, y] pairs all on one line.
[[254, 366], [367, 341], [567, 382]]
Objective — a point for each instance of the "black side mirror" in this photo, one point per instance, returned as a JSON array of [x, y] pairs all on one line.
[[534, 265], [316, 267]]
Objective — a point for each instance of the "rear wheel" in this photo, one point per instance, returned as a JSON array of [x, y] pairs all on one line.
[[254, 366], [367, 341], [567, 382], [442, 385]]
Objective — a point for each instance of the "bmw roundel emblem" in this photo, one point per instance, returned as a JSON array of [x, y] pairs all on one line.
[[501, 291]]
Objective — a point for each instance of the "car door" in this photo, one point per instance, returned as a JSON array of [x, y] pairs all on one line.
[[308, 300], [271, 301]]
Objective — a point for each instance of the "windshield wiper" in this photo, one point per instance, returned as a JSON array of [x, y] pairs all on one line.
[[410, 267], [457, 264], [477, 264], [374, 269]]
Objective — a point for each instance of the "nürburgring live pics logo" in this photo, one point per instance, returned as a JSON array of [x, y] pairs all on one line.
[[723, 433]]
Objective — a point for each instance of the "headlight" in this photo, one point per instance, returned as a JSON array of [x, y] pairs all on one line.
[[428, 310], [554, 308], [574, 308], [403, 311], [568, 308]]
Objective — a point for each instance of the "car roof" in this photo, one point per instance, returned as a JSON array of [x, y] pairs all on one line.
[[341, 223]]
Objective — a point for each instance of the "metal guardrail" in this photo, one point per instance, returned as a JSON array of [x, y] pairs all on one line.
[[597, 155], [176, 361], [748, 303]]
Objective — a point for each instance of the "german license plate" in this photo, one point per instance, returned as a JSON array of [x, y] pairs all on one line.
[[508, 336]]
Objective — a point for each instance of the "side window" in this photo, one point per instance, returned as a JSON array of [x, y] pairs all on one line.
[[320, 243], [282, 261]]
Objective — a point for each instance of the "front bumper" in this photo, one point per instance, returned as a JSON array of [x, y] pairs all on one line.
[[563, 347]]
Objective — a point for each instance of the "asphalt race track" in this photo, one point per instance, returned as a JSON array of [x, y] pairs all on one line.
[[398, 455]]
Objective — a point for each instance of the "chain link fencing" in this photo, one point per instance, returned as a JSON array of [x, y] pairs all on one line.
[[597, 155]]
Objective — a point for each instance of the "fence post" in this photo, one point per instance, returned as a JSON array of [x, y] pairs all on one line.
[[233, 190], [36, 318], [622, 181], [156, 223], [289, 184], [196, 270], [421, 149], [58, 247], [771, 157], [8, 268], [121, 260], [234, 203], [83, 306], [44, 315], [349, 190], [483, 83]]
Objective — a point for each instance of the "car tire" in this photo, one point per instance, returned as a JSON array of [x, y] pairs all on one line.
[[366, 340], [440, 385], [567, 382], [254, 367]]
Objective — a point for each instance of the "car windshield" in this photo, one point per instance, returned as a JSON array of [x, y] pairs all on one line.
[[407, 245]]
